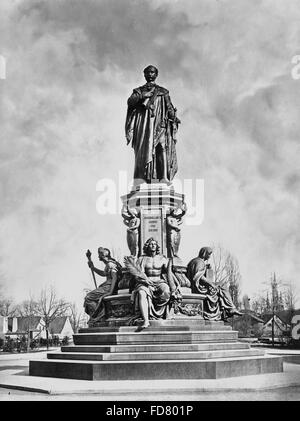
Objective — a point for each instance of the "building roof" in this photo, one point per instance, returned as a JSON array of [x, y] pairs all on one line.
[[27, 322], [253, 315], [57, 325], [256, 318], [266, 317], [284, 315], [33, 322]]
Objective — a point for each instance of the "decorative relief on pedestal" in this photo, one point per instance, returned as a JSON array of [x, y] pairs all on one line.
[[153, 226], [120, 310], [120, 306], [153, 210], [189, 309]]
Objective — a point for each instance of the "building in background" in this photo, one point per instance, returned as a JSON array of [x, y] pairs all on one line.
[[35, 326], [61, 327], [279, 325], [248, 325], [3, 326], [18, 326]]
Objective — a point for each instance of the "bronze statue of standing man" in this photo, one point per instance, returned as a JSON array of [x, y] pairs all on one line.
[[151, 127]]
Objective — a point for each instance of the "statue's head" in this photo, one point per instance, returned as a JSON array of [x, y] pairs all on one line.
[[151, 246], [150, 73], [205, 253], [103, 253]]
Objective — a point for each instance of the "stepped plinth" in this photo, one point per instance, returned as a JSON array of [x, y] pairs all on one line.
[[168, 349]]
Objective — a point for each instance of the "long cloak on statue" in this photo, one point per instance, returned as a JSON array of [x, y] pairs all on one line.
[[93, 302], [218, 304], [151, 122]]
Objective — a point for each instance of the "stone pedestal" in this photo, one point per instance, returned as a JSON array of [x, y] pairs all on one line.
[[153, 204], [168, 349], [119, 309]]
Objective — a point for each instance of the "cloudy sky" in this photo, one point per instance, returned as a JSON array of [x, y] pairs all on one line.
[[71, 66]]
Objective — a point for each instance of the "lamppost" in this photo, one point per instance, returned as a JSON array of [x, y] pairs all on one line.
[[248, 316], [273, 310], [246, 302], [273, 321]]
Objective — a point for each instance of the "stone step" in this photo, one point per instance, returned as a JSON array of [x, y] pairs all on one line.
[[208, 346], [155, 370], [184, 321], [156, 328], [154, 337], [125, 356]]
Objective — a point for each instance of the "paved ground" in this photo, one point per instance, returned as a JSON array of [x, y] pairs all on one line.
[[282, 394], [14, 375], [278, 350]]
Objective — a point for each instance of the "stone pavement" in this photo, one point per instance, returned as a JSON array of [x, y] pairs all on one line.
[[288, 355], [14, 375], [291, 393]]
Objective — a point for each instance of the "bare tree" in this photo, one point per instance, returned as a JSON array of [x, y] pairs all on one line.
[[226, 270], [219, 257], [290, 296], [76, 317], [234, 279], [270, 299], [260, 304], [276, 297], [28, 310], [50, 307], [7, 308]]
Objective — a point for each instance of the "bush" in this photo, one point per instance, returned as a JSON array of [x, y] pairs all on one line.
[[65, 340], [34, 344], [9, 345]]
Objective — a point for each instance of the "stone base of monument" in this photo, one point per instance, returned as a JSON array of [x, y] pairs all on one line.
[[168, 349], [120, 310]]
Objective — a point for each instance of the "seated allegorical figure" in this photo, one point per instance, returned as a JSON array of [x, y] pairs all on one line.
[[154, 283], [218, 304], [93, 302]]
